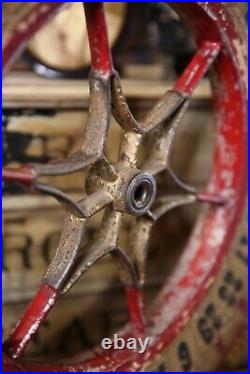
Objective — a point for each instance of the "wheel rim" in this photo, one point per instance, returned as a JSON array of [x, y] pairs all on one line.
[[191, 281], [70, 58]]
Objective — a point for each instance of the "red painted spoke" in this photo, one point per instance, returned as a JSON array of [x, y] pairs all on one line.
[[135, 302], [98, 38], [197, 67], [31, 320], [211, 198], [24, 175]]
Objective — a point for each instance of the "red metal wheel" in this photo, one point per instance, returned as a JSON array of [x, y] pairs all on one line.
[[193, 310]]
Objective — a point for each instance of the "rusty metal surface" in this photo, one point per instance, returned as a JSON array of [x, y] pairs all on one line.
[[124, 186]]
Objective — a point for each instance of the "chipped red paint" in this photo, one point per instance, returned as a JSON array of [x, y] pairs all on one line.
[[211, 198], [24, 175], [25, 30], [10, 365], [30, 321], [197, 269], [135, 302], [197, 68], [98, 38]]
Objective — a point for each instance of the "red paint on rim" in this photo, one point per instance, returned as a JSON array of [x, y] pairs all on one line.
[[214, 232], [27, 27]]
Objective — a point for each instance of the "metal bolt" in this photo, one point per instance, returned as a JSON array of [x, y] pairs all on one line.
[[140, 193]]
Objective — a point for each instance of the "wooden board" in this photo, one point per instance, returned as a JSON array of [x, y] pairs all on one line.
[[29, 90]]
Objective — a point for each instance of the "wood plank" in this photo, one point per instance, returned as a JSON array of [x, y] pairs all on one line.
[[29, 90], [16, 203]]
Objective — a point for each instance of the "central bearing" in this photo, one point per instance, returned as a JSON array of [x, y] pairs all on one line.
[[140, 193], [132, 190]]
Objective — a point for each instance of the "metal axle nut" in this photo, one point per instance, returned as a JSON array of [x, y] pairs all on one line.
[[140, 194]]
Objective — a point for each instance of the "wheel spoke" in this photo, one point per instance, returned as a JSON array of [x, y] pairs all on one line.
[[31, 320], [167, 203], [24, 175], [98, 38], [140, 237], [197, 68], [141, 232], [58, 271], [158, 157], [179, 183], [93, 144], [105, 243], [67, 251], [95, 253], [71, 239], [95, 133], [216, 199], [99, 107], [129, 148], [163, 110], [165, 107]]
